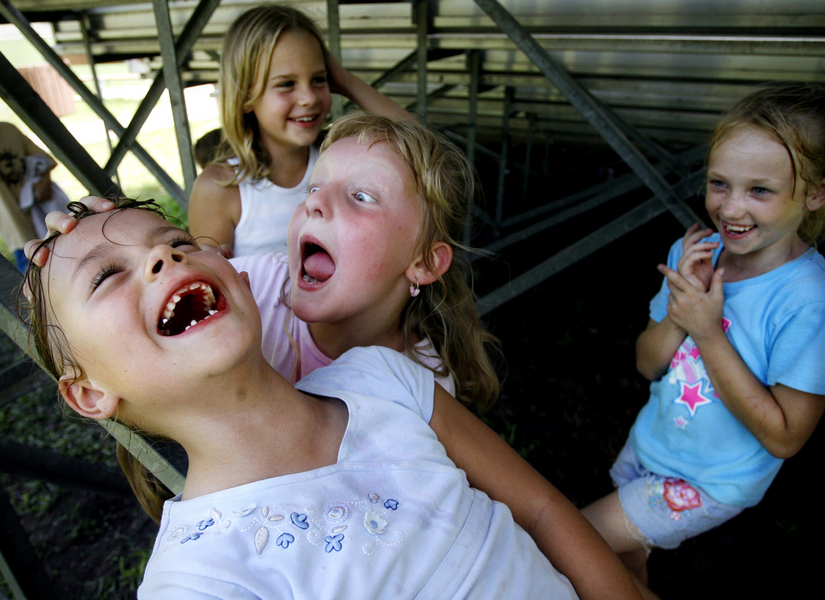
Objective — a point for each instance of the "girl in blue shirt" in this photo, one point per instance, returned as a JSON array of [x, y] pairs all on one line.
[[734, 346]]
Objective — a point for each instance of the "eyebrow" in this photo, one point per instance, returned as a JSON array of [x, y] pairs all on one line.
[[104, 248]]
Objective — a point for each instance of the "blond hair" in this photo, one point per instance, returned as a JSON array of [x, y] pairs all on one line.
[[793, 114], [247, 51], [444, 312]]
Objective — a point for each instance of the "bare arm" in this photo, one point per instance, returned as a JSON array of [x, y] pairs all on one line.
[[781, 418], [656, 346], [214, 210], [561, 532], [658, 343], [363, 94]]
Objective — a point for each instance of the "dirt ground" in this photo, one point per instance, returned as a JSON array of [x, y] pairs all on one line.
[[569, 398]]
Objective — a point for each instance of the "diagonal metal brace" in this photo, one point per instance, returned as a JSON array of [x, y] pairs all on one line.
[[590, 109], [12, 15]]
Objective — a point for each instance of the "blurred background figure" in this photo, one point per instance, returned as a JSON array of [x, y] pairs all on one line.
[[26, 191]]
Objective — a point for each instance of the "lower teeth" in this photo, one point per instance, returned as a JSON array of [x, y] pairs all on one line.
[[310, 280]]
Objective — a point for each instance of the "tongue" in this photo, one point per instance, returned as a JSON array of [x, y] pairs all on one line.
[[319, 266]]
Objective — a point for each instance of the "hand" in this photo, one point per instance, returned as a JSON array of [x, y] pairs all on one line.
[[57, 221], [337, 76], [696, 311], [696, 262], [43, 188]]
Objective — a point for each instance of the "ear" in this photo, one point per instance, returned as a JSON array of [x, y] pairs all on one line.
[[441, 257], [87, 399], [816, 200]]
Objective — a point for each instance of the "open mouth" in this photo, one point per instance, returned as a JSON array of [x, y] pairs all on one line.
[[317, 265], [191, 304]]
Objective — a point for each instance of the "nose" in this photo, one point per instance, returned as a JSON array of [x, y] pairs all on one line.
[[317, 203], [731, 205], [307, 95], [159, 258]]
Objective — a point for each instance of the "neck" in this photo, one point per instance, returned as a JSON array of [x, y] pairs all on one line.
[[253, 425], [741, 267], [333, 339], [288, 165]]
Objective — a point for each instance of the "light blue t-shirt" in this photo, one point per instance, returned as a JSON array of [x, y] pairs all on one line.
[[775, 322]]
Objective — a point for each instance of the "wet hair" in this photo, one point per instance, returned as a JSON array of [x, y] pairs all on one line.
[[46, 340], [792, 114], [244, 66], [444, 312]]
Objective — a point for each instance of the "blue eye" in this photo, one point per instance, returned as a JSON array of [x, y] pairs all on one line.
[[313, 189], [760, 191], [364, 197], [716, 183]]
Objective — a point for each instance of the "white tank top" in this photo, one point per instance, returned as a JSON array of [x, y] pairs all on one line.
[[266, 210]]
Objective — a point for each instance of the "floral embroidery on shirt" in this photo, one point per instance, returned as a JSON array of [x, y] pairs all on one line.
[[333, 543], [289, 524]]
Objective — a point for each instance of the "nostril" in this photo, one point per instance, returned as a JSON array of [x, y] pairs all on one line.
[[157, 267], [177, 257]]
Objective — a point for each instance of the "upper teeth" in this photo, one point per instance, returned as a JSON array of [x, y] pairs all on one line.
[[304, 119], [208, 300], [738, 228]]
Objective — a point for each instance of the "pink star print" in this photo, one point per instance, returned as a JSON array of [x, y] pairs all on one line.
[[680, 422], [691, 396]]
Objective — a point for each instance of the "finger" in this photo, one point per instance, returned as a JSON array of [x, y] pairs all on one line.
[[97, 203], [60, 221], [717, 284], [674, 278], [37, 256]]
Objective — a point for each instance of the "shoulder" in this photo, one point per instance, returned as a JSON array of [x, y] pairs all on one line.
[[210, 192], [267, 274], [377, 372]]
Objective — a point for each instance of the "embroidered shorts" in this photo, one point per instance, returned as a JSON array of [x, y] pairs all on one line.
[[666, 510]]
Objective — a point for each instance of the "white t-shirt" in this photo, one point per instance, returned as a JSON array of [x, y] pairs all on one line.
[[392, 519]]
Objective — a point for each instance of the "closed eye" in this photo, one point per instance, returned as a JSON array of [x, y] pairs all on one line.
[[364, 197], [104, 273], [183, 241]]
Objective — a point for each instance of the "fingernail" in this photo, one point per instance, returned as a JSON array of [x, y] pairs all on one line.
[[107, 204], [66, 222]]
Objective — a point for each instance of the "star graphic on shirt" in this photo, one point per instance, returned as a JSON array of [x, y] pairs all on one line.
[[692, 397], [680, 422]]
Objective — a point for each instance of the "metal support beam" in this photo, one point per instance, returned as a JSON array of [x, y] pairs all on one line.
[[505, 150], [85, 26], [583, 248], [474, 67], [590, 109], [29, 106], [334, 41], [171, 75], [14, 16], [186, 40], [528, 158], [422, 27]]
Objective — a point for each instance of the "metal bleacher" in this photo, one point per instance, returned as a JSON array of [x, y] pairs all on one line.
[[641, 80]]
